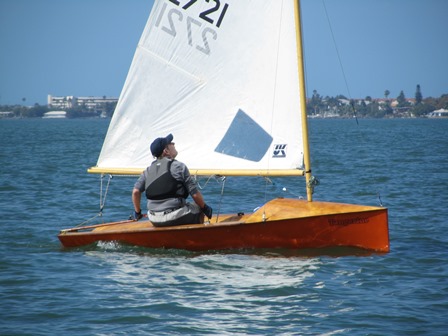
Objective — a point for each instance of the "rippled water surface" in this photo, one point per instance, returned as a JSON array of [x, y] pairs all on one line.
[[110, 289]]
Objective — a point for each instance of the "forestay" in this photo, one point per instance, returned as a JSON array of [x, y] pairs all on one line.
[[222, 77]]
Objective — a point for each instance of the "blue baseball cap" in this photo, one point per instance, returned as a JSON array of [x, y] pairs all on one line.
[[159, 144]]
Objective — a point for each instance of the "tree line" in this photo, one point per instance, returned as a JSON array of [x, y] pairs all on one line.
[[317, 105], [38, 111], [376, 108]]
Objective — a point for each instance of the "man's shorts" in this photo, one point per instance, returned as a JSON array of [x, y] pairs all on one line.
[[188, 214]]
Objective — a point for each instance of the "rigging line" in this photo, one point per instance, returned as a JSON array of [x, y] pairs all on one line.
[[89, 220], [276, 73], [223, 179], [101, 192], [340, 62], [206, 182], [282, 12], [220, 180], [266, 181], [379, 199], [103, 199]]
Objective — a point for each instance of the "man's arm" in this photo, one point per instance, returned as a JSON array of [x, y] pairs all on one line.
[[198, 199], [136, 198]]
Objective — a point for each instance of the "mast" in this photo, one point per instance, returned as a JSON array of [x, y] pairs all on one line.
[[302, 91]]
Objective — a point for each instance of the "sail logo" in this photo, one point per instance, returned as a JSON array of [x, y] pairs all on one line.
[[279, 151]]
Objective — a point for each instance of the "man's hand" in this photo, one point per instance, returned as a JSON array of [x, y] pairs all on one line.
[[138, 215], [208, 211]]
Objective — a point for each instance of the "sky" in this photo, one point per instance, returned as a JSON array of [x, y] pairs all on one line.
[[356, 48]]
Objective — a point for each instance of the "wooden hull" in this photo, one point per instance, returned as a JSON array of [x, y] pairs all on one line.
[[280, 223]]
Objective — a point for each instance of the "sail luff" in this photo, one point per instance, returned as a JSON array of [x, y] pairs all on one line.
[[302, 90]]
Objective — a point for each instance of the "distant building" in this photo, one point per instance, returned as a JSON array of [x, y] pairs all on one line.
[[6, 114], [442, 113], [90, 103], [55, 115]]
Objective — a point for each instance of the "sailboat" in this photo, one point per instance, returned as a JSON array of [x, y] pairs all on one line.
[[226, 78]]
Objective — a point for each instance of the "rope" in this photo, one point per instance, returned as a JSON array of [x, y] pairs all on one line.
[[89, 220], [208, 180], [267, 181], [221, 180], [313, 182], [102, 200], [379, 199], [340, 62]]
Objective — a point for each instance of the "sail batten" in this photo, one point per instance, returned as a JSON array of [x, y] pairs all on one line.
[[222, 83]]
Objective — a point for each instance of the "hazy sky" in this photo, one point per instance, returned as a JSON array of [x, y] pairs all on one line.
[[85, 47]]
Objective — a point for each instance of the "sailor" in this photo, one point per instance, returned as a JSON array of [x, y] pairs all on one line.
[[167, 184]]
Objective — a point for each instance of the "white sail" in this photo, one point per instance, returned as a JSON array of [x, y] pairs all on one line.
[[222, 77]]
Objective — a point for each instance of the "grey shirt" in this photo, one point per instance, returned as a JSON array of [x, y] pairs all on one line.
[[181, 173]]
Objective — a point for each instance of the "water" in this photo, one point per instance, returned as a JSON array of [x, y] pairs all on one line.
[[121, 290]]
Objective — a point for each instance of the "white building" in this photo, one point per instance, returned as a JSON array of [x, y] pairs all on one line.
[[55, 115], [7, 114], [442, 113], [91, 103]]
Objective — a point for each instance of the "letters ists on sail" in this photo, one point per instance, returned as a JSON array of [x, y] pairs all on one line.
[[173, 21]]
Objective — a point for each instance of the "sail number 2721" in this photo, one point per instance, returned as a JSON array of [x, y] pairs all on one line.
[[174, 21], [207, 14]]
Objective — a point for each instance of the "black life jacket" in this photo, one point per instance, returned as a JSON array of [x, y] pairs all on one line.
[[160, 184]]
